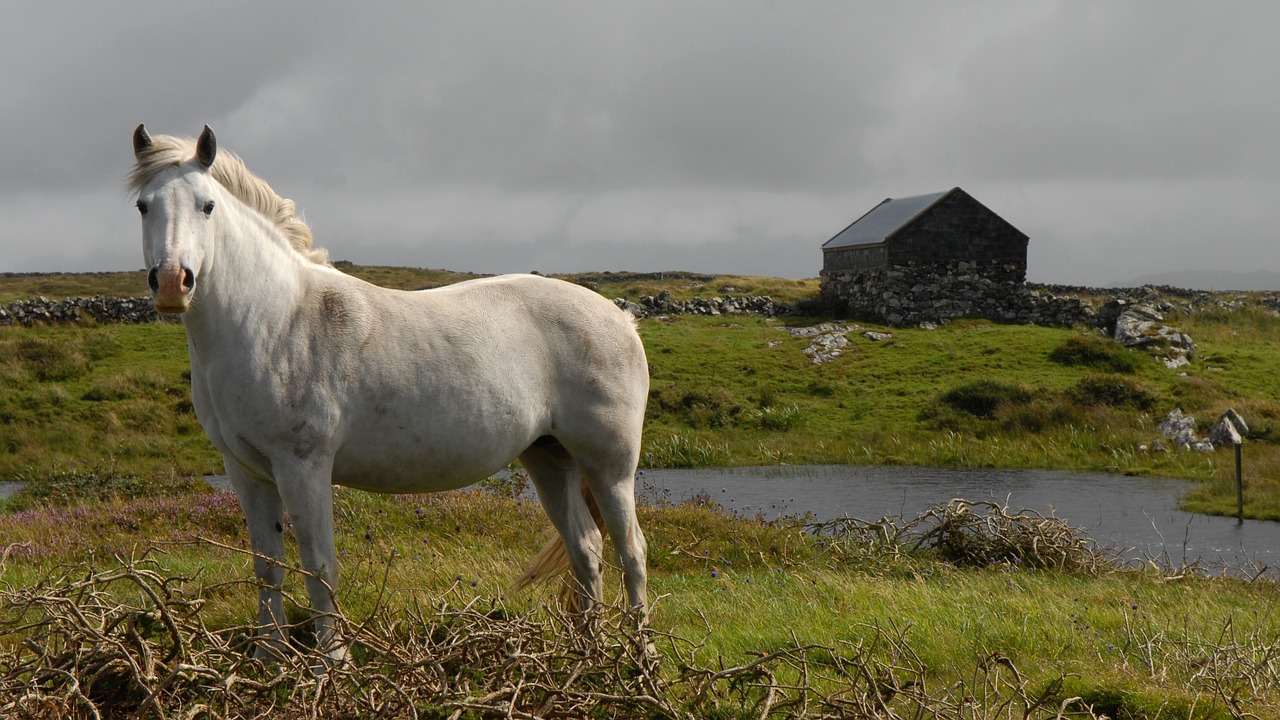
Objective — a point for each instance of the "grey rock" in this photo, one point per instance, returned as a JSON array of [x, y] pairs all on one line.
[[1179, 428], [1229, 430], [827, 340], [1141, 326]]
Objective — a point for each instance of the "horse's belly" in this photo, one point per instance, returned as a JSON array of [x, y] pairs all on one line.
[[416, 464]]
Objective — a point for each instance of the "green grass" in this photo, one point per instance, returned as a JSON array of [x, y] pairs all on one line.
[[736, 390], [111, 399], [56, 286], [779, 289], [734, 589]]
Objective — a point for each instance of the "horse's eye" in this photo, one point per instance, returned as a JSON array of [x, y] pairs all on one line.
[[208, 208], [142, 207]]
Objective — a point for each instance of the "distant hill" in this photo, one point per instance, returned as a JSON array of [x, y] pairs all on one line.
[[1210, 280]]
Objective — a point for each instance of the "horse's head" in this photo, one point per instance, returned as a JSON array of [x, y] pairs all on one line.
[[178, 211]]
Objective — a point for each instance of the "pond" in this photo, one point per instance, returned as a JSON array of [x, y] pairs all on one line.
[[1137, 516]]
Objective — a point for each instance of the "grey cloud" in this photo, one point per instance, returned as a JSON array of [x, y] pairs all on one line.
[[1126, 91], [717, 136]]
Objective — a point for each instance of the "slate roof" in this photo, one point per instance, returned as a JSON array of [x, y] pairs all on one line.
[[884, 220]]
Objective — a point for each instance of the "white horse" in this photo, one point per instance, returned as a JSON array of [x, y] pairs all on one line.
[[305, 377]]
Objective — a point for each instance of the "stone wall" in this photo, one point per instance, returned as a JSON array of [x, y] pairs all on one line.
[[936, 292], [662, 304], [142, 310], [101, 308], [898, 296]]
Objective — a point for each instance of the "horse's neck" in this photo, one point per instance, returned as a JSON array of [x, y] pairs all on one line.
[[252, 287]]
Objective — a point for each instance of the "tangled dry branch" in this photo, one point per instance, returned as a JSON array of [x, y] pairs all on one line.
[[973, 534], [130, 642]]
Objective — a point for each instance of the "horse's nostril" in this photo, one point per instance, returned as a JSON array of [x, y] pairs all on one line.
[[188, 279], [153, 280]]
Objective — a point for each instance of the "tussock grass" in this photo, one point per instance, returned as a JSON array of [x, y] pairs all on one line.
[[1098, 353], [982, 398]]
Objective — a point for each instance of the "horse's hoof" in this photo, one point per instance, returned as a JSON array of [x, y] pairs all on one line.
[[270, 650], [332, 659]]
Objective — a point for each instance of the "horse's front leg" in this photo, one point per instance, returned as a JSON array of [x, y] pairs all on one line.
[[265, 517], [307, 490]]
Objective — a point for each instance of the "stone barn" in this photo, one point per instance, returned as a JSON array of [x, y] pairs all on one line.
[[931, 258], [925, 229]]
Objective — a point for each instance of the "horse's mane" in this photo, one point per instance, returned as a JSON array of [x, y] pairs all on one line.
[[166, 151]]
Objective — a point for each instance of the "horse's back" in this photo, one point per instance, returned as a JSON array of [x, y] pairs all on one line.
[[585, 331]]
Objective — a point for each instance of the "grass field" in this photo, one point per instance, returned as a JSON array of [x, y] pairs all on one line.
[[752, 619], [733, 390], [1023, 631]]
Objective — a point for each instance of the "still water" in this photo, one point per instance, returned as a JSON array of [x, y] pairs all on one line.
[[1137, 516]]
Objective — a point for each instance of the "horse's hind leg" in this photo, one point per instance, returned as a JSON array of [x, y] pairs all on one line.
[[611, 478], [556, 477]]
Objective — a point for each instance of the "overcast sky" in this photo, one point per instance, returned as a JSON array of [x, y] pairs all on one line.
[[1125, 138]]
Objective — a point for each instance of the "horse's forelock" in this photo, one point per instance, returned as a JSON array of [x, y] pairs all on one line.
[[166, 151], [163, 152]]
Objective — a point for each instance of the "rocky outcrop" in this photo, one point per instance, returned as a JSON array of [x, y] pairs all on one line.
[[1181, 429], [827, 342], [44, 311], [1141, 326]]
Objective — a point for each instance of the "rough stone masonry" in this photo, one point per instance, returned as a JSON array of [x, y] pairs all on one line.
[[936, 292]]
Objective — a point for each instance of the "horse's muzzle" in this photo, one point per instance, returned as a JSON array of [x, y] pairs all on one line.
[[172, 286]]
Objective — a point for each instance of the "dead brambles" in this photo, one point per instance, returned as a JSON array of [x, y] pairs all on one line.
[[969, 534], [128, 639], [130, 642]]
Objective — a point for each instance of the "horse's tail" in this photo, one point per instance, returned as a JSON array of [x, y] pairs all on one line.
[[553, 559]]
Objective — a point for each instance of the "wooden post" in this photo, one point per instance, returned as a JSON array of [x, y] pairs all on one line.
[[1239, 489]]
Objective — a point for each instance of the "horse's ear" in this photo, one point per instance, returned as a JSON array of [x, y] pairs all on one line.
[[141, 140], [206, 147]]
